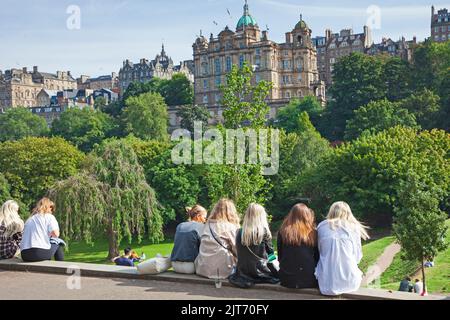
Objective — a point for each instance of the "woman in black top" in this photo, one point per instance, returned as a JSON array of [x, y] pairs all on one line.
[[297, 249], [254, 246]]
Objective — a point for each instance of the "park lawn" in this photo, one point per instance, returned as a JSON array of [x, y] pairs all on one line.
[[372, 250], [438, 277]]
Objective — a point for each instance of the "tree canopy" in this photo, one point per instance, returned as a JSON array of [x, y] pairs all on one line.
[[18, 123]]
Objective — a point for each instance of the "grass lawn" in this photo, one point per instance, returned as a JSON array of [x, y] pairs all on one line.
[[372, 250], [438, 277]]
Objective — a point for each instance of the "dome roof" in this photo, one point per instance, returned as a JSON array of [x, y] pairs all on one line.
[[246, 20], [301, 24]]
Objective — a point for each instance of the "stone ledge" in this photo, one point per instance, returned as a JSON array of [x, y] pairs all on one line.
[[110, 271]]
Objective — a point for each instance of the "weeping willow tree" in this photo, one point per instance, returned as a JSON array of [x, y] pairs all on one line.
[[109, 196]]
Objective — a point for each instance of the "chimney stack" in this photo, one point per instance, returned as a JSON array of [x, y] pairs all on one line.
[[35, 69], [24, 70]]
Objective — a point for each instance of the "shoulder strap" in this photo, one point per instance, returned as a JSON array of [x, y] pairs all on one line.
[[219, 242]]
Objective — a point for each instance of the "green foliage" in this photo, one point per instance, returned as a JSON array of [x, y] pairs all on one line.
[[430, 64], [425, 106], [18, 123], [299, 151], [357, 80], [190, 113], [378, 116], [5, 194], [368, 172], [244, 103], [397, 76], [100, 103], [146, 116], [287, 117], [113, 191], [419, 224], [176, 186], [176, 91], [32, 165], [85, 128]]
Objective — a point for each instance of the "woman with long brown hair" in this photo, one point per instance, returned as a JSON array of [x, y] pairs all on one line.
[[217, 255], [39, 229], [187, 240], [297, 248]]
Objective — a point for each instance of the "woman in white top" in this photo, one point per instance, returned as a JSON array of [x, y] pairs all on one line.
[[39, 229], [340, 251]]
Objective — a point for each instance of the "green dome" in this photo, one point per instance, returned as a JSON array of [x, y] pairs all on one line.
[[301, 25], [246, 20]]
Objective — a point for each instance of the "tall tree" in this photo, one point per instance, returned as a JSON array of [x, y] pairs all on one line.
[[397, 75], [244, 103], [83, 127], [146, 116], [18, 123], [419, 224], [113, 191], [357, 80]]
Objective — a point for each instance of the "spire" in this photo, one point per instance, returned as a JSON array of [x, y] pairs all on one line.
[[246, 10], [163, 53]]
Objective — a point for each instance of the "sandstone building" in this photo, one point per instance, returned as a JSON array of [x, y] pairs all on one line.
[[20, 87], [291, 66], [440, 25]]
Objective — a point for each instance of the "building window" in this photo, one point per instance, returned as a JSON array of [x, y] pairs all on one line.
[[436, 29], [205, 99], [229, 64], [217, 97], [217, 68], [257, 78], [205, 84], [241, 60], [286, 64], [258, 51], [218, 81], [288, 95]]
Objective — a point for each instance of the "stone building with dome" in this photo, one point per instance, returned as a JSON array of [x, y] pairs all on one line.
[[161, 67], [291, 66]]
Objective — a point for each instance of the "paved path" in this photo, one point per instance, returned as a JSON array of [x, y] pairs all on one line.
[[25, 286], [382, 263]]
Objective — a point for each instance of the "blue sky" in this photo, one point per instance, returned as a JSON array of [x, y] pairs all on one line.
[[34, 32]]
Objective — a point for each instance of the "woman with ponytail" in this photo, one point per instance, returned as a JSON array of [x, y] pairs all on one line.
[[187, 240]]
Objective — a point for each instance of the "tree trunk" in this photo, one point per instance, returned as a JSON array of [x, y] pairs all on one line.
[[424, 290], [112, 240]]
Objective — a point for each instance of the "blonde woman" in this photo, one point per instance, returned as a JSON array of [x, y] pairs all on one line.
[[39, 229], [254, 246], [340, 251], [11, 228], [217, 254], [187, 240]]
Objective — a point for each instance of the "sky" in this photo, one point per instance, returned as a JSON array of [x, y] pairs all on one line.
[[52, 35]]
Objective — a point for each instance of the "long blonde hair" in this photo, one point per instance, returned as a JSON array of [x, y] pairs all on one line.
[[340, 215], [255, 226], [44, 206], [299, 227], [10, 219], [225, 211]]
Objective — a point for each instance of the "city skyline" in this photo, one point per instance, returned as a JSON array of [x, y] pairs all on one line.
[[116, 30]]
